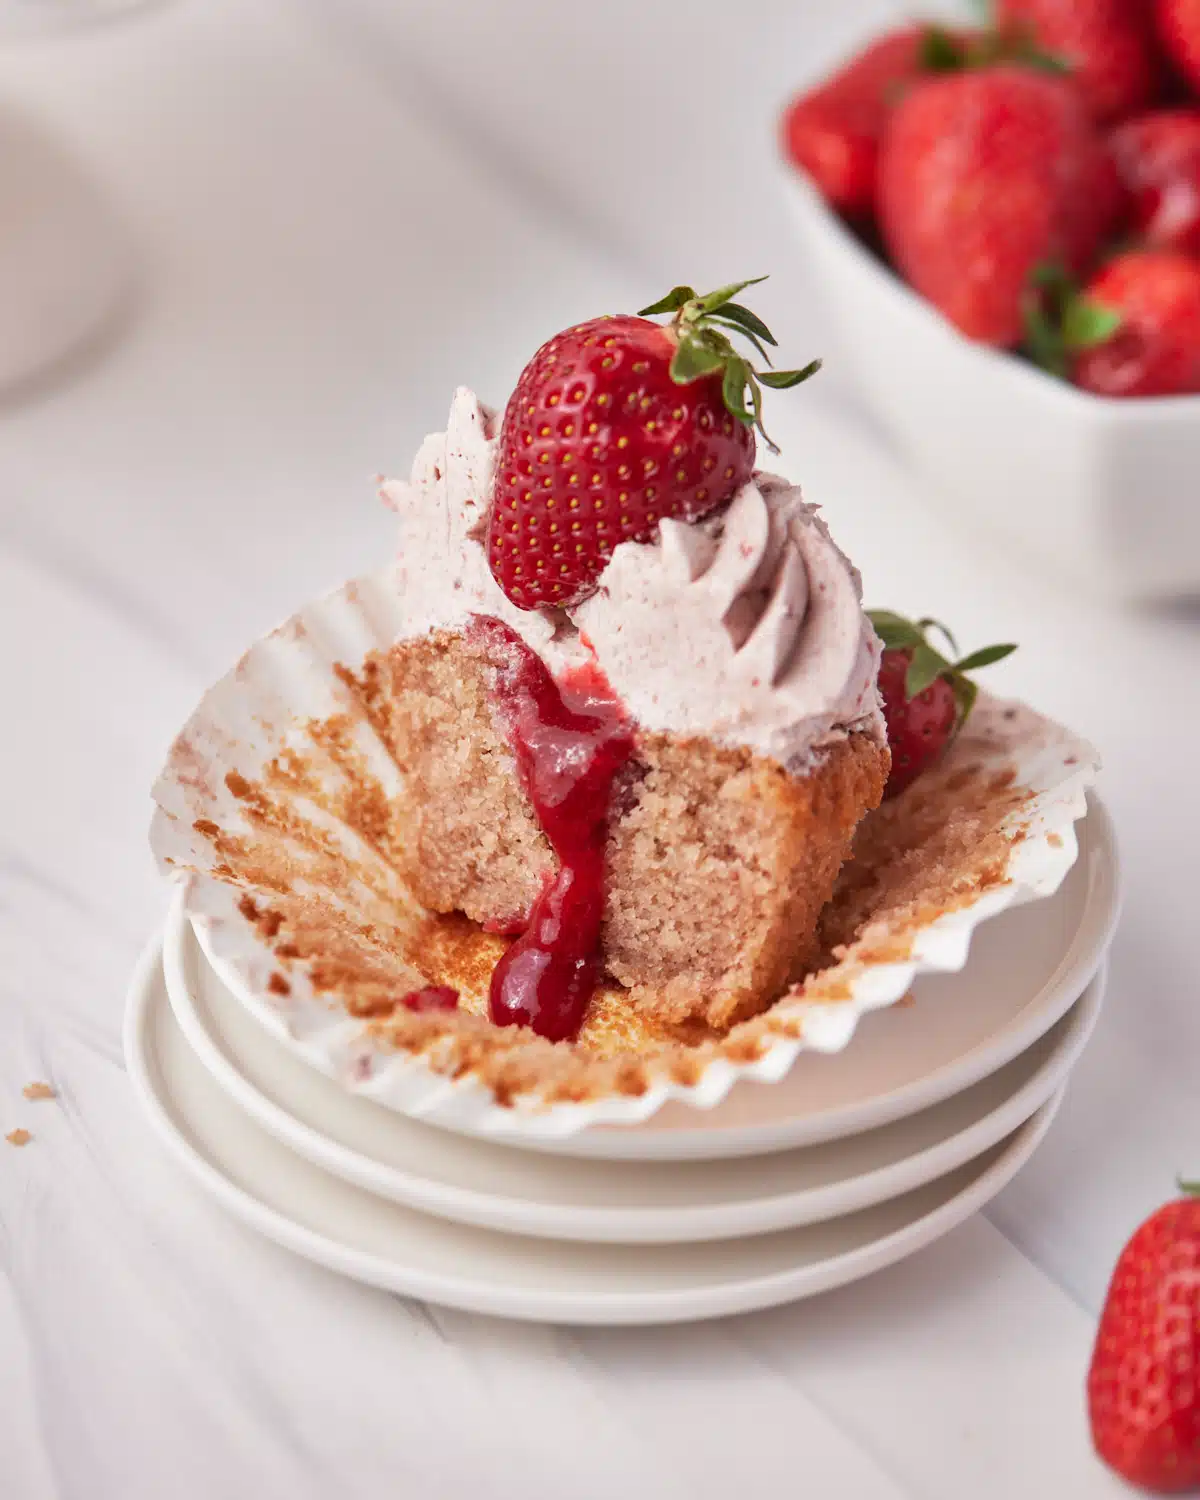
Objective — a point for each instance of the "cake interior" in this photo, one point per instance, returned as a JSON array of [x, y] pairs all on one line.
[[719, 861]]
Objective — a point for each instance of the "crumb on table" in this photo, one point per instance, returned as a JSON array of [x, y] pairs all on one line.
[[39, 1091], [18, 1138]]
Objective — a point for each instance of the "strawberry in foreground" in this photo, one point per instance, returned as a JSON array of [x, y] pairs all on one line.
[[1158, 160], [1134, 330], [617, 423], [926, 698], [1143, 1386], [1106, 44], [833, 132], [985, 175], [1178, 23]]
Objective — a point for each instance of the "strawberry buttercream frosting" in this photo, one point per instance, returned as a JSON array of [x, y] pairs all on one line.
[[746, 627]]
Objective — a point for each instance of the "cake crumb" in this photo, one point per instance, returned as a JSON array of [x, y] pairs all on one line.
[[18, 1138], [39, 1091]]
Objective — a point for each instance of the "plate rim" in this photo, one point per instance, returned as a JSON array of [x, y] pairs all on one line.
[[611, 1308], [607, 1224]]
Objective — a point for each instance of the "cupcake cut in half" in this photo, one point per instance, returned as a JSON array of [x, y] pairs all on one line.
[[629, 707]]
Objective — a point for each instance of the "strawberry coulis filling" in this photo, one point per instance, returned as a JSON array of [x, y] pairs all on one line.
[[432, 997], [570, 739]]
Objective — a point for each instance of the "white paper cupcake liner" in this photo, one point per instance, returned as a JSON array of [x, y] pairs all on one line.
[[470, 1076]]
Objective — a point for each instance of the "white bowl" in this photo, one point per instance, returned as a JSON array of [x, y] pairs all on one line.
[[1102, 489]]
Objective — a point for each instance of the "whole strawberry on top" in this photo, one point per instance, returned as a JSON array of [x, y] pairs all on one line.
[[1143, 1386], [1158, 160], [1107, 45], [617, 423], [984, 175], [926, 697]]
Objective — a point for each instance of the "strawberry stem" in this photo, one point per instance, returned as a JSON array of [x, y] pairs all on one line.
[[701, 326]]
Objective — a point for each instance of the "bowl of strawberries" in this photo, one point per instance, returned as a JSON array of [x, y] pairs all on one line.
[[1005, 220]]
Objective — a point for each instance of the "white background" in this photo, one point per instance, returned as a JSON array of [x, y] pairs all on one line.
[[341, 211]]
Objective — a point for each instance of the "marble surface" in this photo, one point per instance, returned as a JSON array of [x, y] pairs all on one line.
[[329, 240]]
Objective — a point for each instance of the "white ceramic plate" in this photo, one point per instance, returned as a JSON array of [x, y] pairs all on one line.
[[360, 1235], [1027, 967], [518, 1192]]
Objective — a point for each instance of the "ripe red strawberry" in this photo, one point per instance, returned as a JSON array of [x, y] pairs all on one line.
[[613, 425], [926, 698], [1158, 160], [1143, 1386], [1151, 299], [1106, 44], [983, 176], [833, 131], [1178, 23]]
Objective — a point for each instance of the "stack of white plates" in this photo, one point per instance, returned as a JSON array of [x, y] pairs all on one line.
[[783, 1190]]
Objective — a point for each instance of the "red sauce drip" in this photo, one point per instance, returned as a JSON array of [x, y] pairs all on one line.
[[432, 997], [570, 739]]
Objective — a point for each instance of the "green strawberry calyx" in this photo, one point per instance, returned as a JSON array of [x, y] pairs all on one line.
[[944, 51], [701, 328], [926, 663], [1060, 322]]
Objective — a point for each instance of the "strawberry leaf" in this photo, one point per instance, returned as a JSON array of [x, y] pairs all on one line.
[[692, 359], [733, 389], [894, 630], [734, 312], [1043, 341], [783, 380], [1087, 323], [676, 298], [983, 658], [965, 693], [926, 666], [940, 52], [718, 319], [724, 294]]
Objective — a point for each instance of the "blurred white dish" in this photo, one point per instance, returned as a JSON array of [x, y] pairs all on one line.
[[1026, 968], [353, 1232], [1102, 489], [65, 259], [520, 1192]]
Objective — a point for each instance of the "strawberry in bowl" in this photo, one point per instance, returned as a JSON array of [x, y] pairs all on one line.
[[992, 296]]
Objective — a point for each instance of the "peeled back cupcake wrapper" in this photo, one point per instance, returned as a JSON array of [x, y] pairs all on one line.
[[271, 806]]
